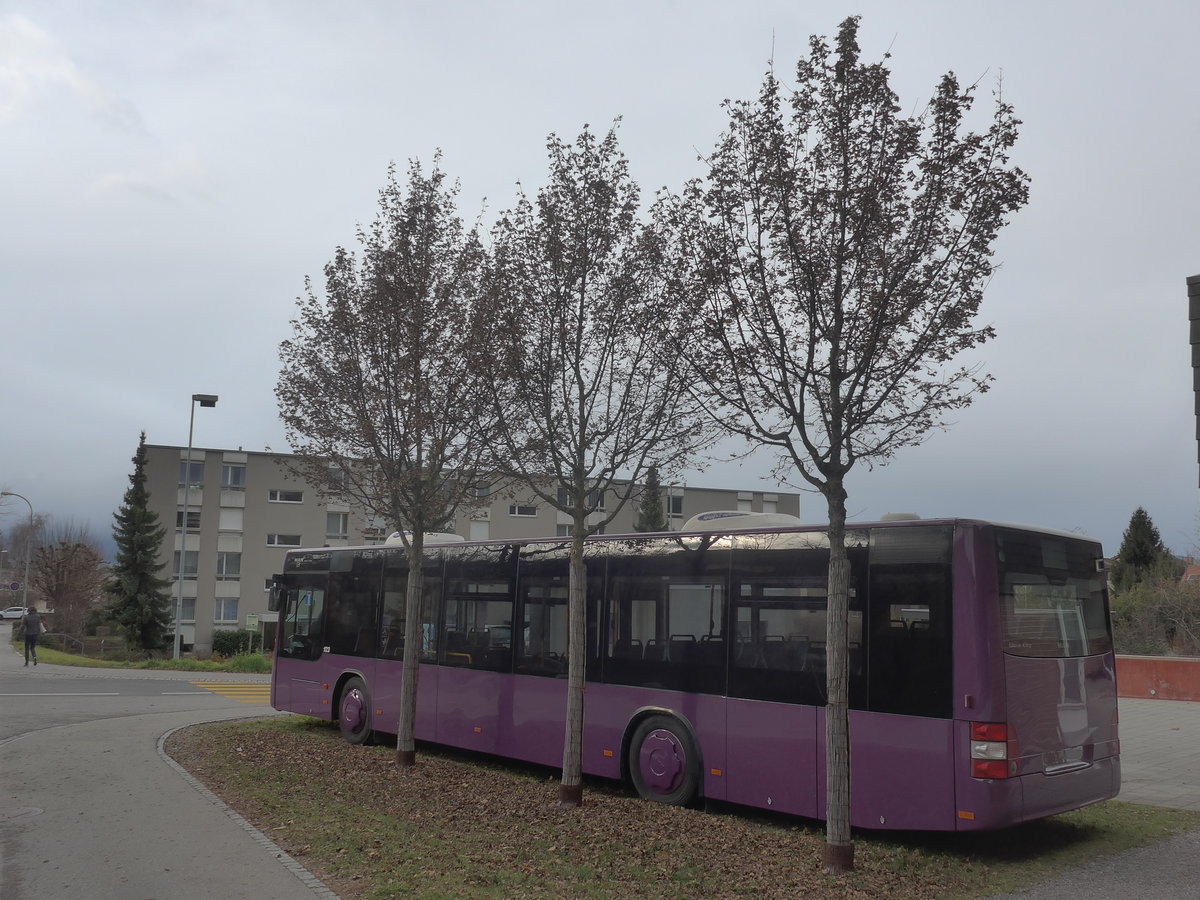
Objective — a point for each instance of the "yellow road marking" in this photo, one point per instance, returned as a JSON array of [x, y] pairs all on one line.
[[243, 692]]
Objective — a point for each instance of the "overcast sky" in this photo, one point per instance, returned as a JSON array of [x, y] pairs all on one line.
[[173, 170]]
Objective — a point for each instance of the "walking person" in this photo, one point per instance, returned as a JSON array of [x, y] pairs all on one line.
[[33, 630]]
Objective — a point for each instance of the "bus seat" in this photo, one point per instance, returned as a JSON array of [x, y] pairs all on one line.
[[712, 651], [631, 649], [655, 651], [682, 648]]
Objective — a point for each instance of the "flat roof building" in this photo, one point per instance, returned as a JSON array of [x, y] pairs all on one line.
[[245, 510]]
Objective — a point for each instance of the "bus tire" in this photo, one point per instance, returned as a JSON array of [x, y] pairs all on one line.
[[664, 763], [354, 712]]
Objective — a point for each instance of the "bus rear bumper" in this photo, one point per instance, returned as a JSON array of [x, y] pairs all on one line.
[[1047, 795], [1001, 803]]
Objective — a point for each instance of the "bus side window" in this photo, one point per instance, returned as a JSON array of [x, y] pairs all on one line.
[[395, 606], [351, 624], [910, 669], [301, 630], [779, 650], [667, 633], [542, 643]]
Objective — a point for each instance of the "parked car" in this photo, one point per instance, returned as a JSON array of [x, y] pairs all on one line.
[[13, 612]]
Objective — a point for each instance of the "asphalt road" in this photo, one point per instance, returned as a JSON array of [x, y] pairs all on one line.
[[91, 808]]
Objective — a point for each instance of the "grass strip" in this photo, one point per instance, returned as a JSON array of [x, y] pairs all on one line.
[[466, 826]]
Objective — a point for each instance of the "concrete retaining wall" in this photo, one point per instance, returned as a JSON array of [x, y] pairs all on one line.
[[1159, 677]]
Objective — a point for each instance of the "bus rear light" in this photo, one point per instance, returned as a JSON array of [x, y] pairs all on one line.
[[989, 731], [993, 746], [992, 768], [988, 750]]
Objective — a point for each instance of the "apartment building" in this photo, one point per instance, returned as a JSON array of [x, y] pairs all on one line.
[[244, 510]]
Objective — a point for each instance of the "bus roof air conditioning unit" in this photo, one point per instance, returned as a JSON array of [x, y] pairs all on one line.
[[726, 519]]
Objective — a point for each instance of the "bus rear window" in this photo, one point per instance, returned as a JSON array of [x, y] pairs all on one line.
[[1053, 599]]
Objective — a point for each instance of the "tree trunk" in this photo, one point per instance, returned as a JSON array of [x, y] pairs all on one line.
[[570, 792], [839, 851], [406, 745]]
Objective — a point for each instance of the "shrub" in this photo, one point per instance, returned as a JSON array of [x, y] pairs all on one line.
[[250, 663], [231, 643], [1159, 617]]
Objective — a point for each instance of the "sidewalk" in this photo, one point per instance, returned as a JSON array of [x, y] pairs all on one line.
[[97, 810]]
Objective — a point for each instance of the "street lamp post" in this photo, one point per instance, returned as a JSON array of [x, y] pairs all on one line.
[[203, 400], [28, 547]]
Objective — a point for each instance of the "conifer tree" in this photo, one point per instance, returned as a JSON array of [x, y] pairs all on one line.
[[1141, 549], [650, 511], [138, 600]]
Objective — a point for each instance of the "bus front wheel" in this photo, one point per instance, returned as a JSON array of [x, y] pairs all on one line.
[[354, 712], [664, 764]]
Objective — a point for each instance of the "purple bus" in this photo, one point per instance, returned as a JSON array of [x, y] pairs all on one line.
[[982, 676]]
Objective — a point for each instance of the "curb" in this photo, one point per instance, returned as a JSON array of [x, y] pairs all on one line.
[[311, 881]]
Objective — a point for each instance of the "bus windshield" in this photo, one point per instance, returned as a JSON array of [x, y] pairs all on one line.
[[1053, 599]]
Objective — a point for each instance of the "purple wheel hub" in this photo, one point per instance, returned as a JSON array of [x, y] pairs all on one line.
[[354, 710], [662, 761]]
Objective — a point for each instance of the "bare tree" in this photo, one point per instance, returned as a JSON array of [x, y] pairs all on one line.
[[583, 407], [375, 391], [832, 263], [69, 573]]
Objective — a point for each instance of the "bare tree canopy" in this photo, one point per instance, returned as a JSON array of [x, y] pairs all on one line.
[[574, 293], [69, 575], [583, 406], [831, 265], [376, 392]]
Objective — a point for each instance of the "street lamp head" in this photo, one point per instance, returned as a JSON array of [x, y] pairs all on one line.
[[205, 399]]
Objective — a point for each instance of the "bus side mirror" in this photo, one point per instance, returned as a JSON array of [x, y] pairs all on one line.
[[275, 599]]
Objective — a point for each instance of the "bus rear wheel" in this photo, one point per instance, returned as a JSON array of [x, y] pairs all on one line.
[[354, 712], [664, 764]]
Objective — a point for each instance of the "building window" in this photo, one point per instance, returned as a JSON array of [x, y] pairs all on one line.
[[187, 610], [279, 496], [191, 564], [483, 490], [193, 519], [197, 479], [233, 478], [770, 506], [337, 525], [229, 566], [675, 506], [225, 609], [594, 499], [520, 509], [562, 530], [745, 502], [283, 540]]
